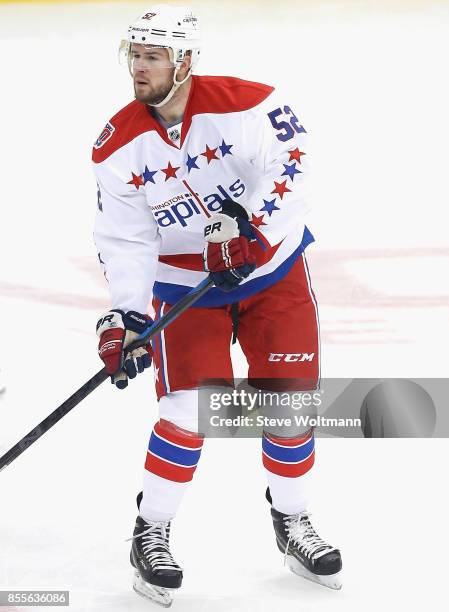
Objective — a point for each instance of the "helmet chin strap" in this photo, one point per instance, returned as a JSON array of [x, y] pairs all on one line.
[[176, 85]]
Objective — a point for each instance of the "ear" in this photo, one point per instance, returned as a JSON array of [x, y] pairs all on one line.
[[185, 66]]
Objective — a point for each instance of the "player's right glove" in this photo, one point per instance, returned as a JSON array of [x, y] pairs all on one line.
[[226, 254], [116, 331]]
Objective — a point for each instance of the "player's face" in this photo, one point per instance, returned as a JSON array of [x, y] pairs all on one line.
[[152, 73]]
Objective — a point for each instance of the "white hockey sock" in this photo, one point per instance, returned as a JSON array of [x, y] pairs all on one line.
[[161, 497], [289, 495], [173, 453], [287, 463]]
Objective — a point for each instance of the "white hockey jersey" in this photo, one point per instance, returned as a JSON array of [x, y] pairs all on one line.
[[158, 187]]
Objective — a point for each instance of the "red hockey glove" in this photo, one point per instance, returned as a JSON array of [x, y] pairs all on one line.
[[226, 254], [116, 331]]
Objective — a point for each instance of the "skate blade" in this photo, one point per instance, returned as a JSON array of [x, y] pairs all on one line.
[[159, 595], [331, 582]]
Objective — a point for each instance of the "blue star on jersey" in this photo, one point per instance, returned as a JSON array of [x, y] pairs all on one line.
[[191, 162], [291, 170], [225, 148], [148, 176], [269, 206]]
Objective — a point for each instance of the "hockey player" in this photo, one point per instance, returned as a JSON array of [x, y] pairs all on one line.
[[230, 155]]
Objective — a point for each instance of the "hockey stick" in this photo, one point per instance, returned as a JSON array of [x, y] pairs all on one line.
[[27, 440]]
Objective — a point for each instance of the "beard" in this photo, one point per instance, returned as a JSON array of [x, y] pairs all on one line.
[[150, 95]]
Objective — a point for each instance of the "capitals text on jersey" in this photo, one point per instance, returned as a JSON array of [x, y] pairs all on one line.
[[182, 207]]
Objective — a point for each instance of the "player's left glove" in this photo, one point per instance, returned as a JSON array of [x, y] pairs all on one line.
[[226, 254], [116, 331]]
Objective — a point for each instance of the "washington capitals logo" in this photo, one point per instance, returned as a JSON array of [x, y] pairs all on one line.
[[105, 135]]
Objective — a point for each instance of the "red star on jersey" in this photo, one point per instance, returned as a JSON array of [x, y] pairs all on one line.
[[209, 154], [295, 154], [281, 188], [137, 180], [257, 221], [170, 171]]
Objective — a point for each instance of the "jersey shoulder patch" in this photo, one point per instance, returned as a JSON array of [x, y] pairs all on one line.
[[131, 121], [221, 94]]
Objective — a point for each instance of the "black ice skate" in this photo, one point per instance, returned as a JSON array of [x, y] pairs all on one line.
[[305, 553], [157, 574]]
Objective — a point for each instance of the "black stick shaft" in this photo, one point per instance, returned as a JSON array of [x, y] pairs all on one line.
[[102, 375], [173, 313]]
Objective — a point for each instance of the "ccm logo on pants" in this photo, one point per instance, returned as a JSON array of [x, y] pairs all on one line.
[[291, 357]]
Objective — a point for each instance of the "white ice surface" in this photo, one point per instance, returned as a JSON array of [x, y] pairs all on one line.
[[370, 85]]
